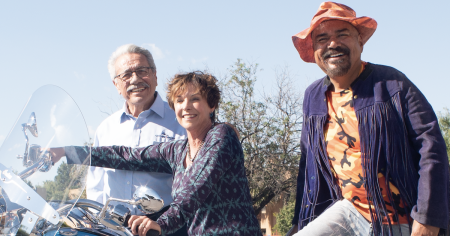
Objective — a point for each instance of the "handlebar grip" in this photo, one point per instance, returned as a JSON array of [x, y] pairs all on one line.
[[125, 222], [151, 232]]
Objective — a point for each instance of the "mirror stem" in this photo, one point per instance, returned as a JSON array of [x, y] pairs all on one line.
[[105, 207]]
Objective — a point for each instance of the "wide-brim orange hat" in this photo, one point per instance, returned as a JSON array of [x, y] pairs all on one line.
[[366, 26]]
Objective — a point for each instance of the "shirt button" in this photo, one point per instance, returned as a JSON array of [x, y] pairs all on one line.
[[324, 99], [128, 182], [355, 97]]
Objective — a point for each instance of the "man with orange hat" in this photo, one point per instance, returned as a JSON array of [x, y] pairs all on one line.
[[373, 158]]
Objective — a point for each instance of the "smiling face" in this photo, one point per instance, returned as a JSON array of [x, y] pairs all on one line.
[[138, 91], [337, 47], [192, 110]]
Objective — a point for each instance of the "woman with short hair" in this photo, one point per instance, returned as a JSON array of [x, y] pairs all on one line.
[[210, 189]]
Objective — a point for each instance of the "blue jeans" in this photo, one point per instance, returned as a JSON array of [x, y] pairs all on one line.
[[343, 219]]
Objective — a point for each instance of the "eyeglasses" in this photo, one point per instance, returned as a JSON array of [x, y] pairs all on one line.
[[140, 72]]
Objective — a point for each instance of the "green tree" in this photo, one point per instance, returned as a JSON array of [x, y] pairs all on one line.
[[444, 124], [269, 130], [68, 177], [284, 218]]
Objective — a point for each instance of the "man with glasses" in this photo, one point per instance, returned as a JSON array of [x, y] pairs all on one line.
[[145, 119]]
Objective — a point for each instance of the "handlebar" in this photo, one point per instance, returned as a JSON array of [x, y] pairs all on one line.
[[151, 232], [98, 206]]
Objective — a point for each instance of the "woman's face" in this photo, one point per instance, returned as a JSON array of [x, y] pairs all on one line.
[[192, 110]]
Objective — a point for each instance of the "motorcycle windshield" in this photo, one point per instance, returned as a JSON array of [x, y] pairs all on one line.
[[35, 192]]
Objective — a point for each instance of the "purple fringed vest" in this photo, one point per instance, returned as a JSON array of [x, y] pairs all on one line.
[[399, 137]]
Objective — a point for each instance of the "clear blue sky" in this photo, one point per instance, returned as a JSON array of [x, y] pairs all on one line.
[[68, 44]]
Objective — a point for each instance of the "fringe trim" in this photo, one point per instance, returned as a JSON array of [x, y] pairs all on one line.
[[383, 135], [316, 140]]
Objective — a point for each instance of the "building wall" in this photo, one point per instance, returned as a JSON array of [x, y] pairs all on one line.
[[267, 220]]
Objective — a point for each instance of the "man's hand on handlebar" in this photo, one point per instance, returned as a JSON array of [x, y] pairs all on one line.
[[141, 224]]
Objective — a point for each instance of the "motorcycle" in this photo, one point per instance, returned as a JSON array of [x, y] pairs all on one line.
[[39, 197]]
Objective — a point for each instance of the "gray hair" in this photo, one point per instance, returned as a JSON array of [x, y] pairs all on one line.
[[128, 48]]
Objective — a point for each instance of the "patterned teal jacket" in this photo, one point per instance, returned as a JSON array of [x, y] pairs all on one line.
[[211, 197]]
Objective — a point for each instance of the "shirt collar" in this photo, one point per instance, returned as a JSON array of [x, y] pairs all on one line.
[[157, 107]]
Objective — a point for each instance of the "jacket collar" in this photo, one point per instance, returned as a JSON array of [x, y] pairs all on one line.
[[317, 98], [363, 76]]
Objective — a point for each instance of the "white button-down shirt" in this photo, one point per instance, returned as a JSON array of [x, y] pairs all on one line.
[[155, 125]]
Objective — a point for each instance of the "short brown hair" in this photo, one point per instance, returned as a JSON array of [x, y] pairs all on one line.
[[204, 82]]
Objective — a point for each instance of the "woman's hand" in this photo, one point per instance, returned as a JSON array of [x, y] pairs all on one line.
[[142, 224], [57, 153]]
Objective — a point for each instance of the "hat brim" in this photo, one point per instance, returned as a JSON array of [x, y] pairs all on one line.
[[366, 26]]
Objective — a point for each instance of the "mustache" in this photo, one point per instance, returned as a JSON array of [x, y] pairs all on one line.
[[136, 86], [327, 54]]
